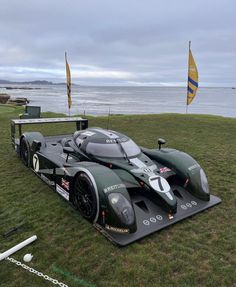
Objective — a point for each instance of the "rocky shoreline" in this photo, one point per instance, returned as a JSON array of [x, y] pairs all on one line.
[[6, 99]]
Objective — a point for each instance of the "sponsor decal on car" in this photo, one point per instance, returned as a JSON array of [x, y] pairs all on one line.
[[190, 204], [113, 187], [164, 169], [65, 184], [196, 165], [62, 192], [117, 140], [153, 219], [143, 168], [117, 229]]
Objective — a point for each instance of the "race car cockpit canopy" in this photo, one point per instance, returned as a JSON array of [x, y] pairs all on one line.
[[104, 143]]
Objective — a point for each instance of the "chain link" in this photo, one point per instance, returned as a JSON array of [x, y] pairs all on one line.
[[40, 274]]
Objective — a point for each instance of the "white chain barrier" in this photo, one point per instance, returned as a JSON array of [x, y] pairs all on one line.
[[40, 274]]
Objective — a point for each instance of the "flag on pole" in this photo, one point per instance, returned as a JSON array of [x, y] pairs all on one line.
[[68, 82], [192, 78]]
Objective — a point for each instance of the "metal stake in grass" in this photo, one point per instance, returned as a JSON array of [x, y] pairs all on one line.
[[12, 230]]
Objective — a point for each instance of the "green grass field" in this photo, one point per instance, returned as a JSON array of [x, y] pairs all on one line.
[[7, 108], [199, 251]]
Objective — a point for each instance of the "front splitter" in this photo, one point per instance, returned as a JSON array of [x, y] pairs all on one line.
[[152, 218]]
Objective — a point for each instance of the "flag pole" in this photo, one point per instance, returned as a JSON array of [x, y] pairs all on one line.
[[108, 117], [68, 83], [189, 45]]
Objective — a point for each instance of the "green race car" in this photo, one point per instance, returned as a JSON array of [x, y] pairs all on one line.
[[124, 190]]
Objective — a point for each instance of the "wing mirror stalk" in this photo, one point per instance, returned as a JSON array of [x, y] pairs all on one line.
[[67, 150], [160, 142]]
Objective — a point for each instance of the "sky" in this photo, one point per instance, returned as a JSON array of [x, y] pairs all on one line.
[[125, 42]]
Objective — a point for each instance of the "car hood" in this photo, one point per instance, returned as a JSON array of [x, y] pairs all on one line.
[[147, 174]]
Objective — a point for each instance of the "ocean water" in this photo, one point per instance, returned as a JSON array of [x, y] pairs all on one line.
[[128, 100]]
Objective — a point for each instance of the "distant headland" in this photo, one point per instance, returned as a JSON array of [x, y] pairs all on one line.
[[28, 85], [36, 82]]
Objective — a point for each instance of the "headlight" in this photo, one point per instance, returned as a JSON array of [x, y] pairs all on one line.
[[122, 208], [204, 181]]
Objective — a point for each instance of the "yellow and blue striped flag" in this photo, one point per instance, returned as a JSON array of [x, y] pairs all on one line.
[[192, 78]]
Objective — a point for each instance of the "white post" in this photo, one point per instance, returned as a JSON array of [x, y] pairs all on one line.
[[17, 247]]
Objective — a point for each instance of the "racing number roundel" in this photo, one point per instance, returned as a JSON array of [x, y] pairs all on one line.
[[36, 162]]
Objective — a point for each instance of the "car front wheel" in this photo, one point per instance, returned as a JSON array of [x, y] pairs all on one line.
[[25, 152], [84, 196]]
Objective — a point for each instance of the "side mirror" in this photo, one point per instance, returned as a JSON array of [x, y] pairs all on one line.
[[160, 142], [36, 145], [67, 150]]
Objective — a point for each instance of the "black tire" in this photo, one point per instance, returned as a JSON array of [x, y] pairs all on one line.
[[84, 197], [25, 152]]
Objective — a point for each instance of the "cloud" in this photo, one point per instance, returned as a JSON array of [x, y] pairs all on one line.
[[118, 42]]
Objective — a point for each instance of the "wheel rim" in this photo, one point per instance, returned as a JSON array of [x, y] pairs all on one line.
[[84, 198]]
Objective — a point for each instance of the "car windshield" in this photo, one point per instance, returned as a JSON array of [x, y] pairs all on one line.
[[113, 150]]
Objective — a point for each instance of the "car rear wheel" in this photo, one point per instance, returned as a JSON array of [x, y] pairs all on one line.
[[25, 152], [84, 197]]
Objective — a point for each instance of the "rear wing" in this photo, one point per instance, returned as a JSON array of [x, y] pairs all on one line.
[[81, 124]]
